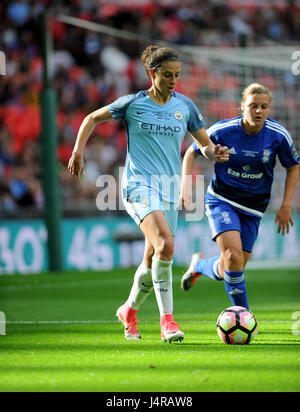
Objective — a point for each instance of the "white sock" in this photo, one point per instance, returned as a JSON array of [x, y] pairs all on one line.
[[162, 281], [141, 288]]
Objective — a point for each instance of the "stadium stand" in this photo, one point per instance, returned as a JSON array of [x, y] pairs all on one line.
[[90, 70]]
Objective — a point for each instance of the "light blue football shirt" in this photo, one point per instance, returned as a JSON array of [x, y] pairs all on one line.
[[154, 137]]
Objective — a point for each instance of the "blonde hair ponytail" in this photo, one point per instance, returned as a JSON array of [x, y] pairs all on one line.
[[256, 88]]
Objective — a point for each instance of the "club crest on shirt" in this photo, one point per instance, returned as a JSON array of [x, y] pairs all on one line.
[[266, 156], [178, 115], [145, 202]]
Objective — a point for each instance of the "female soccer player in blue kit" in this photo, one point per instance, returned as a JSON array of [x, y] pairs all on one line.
[[157, 120], [240, 190]]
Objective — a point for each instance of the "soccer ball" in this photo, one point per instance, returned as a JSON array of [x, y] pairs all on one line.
[[236, 326]]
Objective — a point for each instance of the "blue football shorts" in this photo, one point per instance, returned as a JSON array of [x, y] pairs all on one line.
[[143, 200], [223, 218]]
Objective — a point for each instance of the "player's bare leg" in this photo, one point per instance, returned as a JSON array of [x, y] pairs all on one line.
[[216, 266], [230, 244], [148, 253], [156, 229]]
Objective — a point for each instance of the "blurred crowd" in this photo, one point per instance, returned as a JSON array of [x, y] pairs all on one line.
[[90, 70]]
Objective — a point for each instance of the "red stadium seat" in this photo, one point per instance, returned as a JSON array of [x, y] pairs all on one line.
[[222, 109]]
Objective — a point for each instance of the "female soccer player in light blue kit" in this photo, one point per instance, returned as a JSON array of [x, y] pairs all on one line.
[[157, 120], [240, 190]]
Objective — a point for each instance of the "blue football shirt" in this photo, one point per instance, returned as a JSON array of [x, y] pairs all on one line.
[[246, 180], [154, 137]]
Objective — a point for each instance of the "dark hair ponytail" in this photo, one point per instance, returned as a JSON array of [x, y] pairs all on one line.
[[153, 57]]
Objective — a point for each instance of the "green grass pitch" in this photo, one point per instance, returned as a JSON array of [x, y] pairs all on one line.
[[62, 335]]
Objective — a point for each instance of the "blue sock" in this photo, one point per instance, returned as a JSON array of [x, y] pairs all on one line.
[[209, 267], [235, 287]]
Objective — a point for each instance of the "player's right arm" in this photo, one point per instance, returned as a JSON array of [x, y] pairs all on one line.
[[76, 163], [186, 193]]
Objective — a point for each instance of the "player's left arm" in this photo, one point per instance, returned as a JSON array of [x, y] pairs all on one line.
[[284, 215], [209, 150]]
